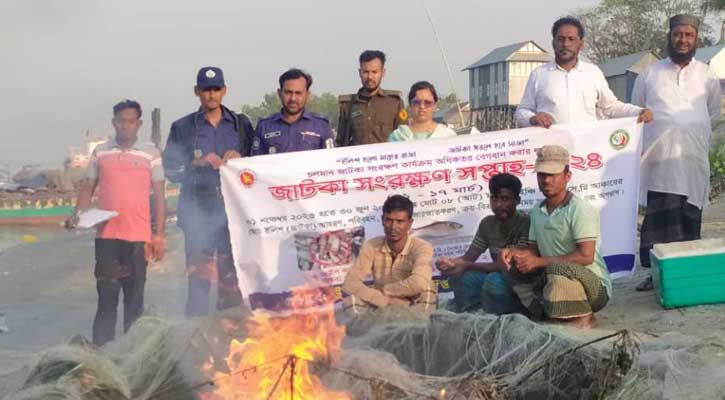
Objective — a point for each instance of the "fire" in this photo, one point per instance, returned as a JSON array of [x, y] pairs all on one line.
[[274, 361]]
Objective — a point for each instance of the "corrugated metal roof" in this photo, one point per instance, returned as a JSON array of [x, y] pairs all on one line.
[[620, 65], [543, 57], [504, 53], [705, 54]]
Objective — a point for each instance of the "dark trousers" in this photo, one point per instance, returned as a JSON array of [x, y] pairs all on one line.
[[120, 265], [209, 258], [669, 218]]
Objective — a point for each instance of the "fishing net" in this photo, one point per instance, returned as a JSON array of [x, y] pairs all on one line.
[[395, 355]]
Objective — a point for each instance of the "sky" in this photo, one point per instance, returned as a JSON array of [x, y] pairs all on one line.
[[64, 64]]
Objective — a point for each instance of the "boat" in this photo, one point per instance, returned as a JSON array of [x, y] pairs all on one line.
[[48, 197]]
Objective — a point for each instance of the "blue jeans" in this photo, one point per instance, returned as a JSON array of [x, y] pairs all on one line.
[[483, 290]]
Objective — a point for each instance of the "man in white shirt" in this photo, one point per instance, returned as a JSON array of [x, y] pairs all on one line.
[[570, 90], [686, 98]]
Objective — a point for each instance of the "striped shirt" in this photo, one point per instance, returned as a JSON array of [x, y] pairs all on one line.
[[124, 180], [494, 235]]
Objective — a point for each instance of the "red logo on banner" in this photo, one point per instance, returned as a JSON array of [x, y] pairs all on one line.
[[247, 178]]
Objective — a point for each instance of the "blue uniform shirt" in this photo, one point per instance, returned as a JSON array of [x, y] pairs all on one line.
[[217, 140], [275, 135]]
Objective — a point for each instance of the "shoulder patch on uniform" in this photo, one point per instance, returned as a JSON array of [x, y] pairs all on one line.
[[319, 116], [345, 97], [392, 93]]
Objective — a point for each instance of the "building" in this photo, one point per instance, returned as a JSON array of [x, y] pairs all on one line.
[[497, 82], [715, 57], [621, 72]]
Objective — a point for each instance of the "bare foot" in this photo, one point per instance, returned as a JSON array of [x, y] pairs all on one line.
[[584, 322]]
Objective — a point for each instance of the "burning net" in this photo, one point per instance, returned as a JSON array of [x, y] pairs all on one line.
[[385, 355]]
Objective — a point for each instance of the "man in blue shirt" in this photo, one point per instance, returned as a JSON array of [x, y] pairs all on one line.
[[198, 145], [294, 128]]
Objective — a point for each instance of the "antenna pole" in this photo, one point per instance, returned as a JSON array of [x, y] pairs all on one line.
[[445, 61]]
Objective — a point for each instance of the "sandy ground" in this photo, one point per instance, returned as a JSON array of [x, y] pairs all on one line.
[[47, 292], [641, 311]]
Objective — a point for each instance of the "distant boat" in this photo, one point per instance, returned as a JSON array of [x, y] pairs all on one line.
[[35, 208], [36, 197]]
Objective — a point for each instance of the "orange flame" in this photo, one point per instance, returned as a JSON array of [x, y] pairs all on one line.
[[277, 343]]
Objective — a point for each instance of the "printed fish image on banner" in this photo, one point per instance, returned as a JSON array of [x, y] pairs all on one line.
[[438, 229], [319, 251]]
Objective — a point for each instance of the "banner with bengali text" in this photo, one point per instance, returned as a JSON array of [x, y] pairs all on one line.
[[299, 219]]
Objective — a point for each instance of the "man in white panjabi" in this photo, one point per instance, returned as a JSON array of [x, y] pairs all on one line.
[[570, 90], [686, 99]]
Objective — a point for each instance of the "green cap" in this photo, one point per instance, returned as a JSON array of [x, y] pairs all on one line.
[[551, 159]]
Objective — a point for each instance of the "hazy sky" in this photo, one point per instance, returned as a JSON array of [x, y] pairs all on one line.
[[64, 63]]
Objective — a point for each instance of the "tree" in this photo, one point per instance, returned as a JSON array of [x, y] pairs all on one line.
[[447, 102], [270, 104], [719, 7], [324, 104], [616, 28]]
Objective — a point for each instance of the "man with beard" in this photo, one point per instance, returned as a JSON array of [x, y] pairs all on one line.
[[198, 145], [685, 96], [401, 266], [293, 128], [561, 276], [569, 90], [369, 115]]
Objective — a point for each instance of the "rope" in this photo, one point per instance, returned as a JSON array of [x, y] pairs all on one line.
[[541, 365]]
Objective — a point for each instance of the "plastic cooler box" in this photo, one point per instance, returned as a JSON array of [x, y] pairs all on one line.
[[689, 273]]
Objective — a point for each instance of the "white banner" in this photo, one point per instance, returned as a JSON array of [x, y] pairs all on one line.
[[300, 218]]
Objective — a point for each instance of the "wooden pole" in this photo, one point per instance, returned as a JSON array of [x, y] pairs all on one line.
[[445, 61], [156, 127]]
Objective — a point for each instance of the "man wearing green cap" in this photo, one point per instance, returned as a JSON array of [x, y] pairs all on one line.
[[561, 276], [685, 97]]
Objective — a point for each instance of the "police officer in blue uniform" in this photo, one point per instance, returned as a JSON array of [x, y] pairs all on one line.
[[198, 145], [294, 128]]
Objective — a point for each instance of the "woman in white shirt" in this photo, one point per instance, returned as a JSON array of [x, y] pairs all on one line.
[[423, 100]]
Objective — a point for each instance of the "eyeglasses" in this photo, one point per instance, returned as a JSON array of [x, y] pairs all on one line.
[[422, 103]]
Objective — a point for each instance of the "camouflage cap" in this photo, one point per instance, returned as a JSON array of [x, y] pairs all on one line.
[[551, 159], [684, 19]]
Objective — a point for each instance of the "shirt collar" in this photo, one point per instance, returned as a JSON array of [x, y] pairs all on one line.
[[553, 66], [406, 249], [113, 144], [676, 66], [226, 114], [567, 200], [278, 116], [380, 93]]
